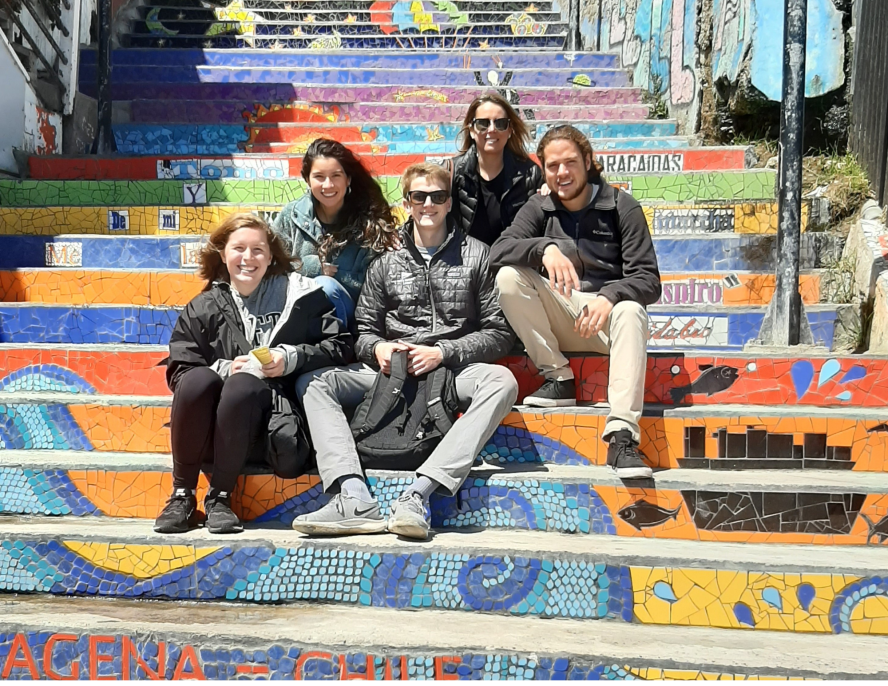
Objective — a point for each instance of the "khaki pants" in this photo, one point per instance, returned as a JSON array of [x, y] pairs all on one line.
[[544, 321]]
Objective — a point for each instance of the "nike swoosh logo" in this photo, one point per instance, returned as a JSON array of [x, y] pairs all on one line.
[[361, 513]]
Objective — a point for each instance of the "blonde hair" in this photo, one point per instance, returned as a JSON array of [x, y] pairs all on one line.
[[433, 172]]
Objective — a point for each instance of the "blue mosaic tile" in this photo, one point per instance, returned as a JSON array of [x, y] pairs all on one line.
[[40, 427]]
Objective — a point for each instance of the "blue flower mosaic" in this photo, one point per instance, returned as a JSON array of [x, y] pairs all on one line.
[[850, 597]]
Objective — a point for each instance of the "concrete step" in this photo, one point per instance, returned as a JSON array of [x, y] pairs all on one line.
[[555, 77], [299, 641], [765, 506], [225, 139], [287, 92], [805, 589], [554, 39], [775, 380], [671, 326], [706, 437], [226, 112], [755, 185], [177, 288], [81, 168], [366, 59], [676, 254]]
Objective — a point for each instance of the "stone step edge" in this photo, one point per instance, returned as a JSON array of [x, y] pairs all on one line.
[[754, 557], [352, 125], [651, 410], [817, 271], [382, 632], [770, 480]]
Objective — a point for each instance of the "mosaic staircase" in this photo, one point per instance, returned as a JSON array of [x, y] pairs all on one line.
[[733, 561]]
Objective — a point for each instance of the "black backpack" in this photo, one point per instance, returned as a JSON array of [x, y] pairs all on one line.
[[403, 418]]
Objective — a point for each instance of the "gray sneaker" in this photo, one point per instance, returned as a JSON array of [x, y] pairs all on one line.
[[342, 516], [409, 517]]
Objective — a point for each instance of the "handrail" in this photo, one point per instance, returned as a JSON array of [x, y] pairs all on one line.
[[49, 67], [46, 32]]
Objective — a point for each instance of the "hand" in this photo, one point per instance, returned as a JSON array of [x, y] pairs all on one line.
[[396, 244], [544, 190], [328, 269], [562, 275], [383, 352], [276, 366], [593, 317], [239, 362], [423, 358]]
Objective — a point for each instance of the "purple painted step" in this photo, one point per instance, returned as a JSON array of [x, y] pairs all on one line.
[[282, 92], [233, 112]]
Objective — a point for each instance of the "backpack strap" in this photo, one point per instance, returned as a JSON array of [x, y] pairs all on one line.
[[435, 384], [389, 394]]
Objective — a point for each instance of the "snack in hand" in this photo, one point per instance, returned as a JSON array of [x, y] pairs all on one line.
[[263, 355]]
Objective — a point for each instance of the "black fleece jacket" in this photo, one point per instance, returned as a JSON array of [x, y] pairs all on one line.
[[609, 244]]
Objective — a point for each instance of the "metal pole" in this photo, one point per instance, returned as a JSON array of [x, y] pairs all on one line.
[[787, 303], [104, 141], [573, 26]]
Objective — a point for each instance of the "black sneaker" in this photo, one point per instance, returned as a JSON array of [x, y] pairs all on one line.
[[180, 514], [554, 394], [622, 455], [220, 518]]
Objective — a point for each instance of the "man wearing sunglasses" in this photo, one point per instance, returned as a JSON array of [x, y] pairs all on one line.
[[593, 243], [434, 298]]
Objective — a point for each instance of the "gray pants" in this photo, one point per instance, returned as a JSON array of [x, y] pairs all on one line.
[[486, 393]]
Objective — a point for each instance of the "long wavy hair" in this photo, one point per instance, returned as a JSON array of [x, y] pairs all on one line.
[[566, 132], [365, 218], [518, 142], [211, 266]]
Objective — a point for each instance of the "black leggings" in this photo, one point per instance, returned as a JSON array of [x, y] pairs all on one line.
[[222, 423]]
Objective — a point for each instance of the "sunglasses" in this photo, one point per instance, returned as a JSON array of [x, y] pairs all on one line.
[[481, 125], [419, 197]]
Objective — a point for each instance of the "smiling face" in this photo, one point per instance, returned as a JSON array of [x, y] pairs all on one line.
[[328, 183], [428, 215], [567, 172], [491, 141], [247, 256]]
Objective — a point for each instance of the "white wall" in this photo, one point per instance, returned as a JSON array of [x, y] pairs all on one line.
[[12, 104]]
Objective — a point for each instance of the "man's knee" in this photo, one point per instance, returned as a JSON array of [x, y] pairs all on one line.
[[501, 383], [629, 310], [509, 280]]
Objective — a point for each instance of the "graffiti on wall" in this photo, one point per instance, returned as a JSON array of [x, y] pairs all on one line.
[[731, 26], [43, 130], [655, 38]]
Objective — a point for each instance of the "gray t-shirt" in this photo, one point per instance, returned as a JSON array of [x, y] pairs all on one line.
[[261, 310]]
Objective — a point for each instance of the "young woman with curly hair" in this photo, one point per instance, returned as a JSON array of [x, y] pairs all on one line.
[[340, 225]]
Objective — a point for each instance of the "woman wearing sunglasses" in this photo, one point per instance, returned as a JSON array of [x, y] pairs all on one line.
[[492, 176], [339, 226]]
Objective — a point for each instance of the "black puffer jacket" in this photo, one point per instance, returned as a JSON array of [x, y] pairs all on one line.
[[451, 302], [202, 334], [526, 179]]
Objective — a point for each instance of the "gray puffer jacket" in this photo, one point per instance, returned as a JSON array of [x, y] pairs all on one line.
[[451, 302]]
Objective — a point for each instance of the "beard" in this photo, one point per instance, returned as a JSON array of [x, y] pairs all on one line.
[[580, 189]]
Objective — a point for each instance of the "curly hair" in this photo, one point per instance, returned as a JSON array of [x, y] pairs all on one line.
[[566, 132], [518, 142], [211, 265], [365, 218]]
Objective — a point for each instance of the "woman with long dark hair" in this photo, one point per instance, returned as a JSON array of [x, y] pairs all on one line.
[[235, 353], [493, 176], [340, 225]]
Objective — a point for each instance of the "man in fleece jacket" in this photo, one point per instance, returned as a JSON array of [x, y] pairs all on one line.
[[601, 272]]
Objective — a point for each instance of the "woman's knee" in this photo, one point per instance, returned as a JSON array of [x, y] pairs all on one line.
[[245, 388], [196, 384]]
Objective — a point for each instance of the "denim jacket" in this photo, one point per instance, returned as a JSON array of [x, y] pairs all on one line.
[[302, 232]]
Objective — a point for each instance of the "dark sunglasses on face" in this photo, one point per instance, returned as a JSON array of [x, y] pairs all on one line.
[[419, 197], [481, 125]]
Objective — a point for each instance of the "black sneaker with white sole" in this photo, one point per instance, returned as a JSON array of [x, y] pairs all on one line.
[[554, 393], [180, 514], [622, 455], [220, 518]]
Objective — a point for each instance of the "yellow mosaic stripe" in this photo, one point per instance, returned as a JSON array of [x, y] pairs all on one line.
[[139, 561], [749, 217]]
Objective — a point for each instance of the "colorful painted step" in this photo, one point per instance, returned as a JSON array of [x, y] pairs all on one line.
[[128, 287], [671, 326], [517, 573], [810, 508], [688, 377], [52, 637], [707, 437], [554, 39], [366, 59], [225, 139], [225, 112], [754, 185], [542, 77], [723, 253], [620, 161]]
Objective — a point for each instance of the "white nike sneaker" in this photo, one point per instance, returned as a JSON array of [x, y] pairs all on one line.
[[342, 516]]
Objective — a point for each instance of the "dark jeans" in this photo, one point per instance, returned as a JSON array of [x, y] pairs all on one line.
[[218, 423]]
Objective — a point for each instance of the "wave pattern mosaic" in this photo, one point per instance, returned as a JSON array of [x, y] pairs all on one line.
[[550, 585]]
